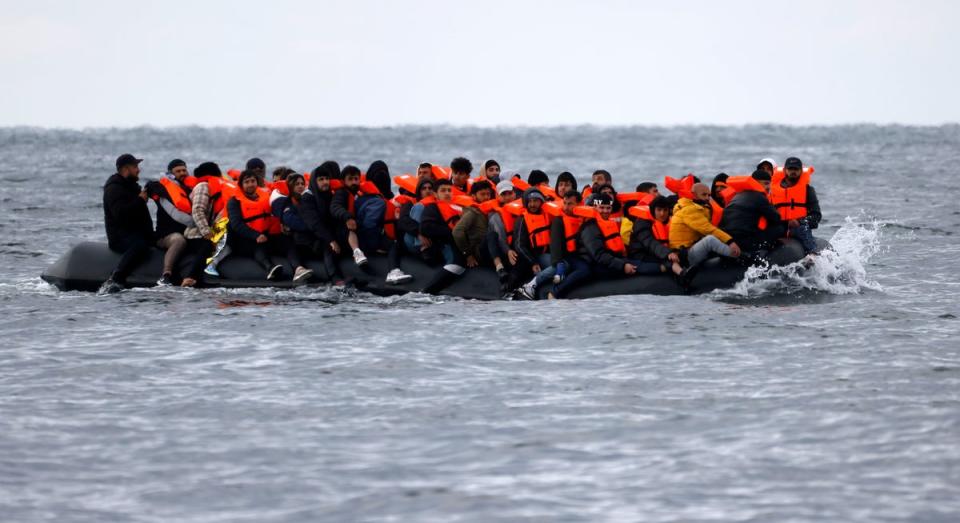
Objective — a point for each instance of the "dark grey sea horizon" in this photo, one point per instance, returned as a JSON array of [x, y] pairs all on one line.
[[831, 396]]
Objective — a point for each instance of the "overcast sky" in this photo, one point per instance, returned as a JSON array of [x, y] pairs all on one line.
[[123, 63]]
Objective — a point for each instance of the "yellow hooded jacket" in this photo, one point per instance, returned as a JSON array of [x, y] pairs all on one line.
[[690, 222]]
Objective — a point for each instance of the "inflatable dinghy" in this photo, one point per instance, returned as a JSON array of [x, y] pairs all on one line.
[[86, 265]]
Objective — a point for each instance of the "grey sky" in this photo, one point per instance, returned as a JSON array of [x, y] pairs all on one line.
[[107, 63]]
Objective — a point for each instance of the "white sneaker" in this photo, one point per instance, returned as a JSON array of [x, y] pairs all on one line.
[[275, 273], [359, 258], [528, 291], [396, 277], [302, 274]]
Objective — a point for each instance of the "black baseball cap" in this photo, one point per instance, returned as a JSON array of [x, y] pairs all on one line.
[[793, 163], [127, 159]]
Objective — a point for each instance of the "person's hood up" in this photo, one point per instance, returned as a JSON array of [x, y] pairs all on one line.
[[379, 174], [532, 192], [330, 168]]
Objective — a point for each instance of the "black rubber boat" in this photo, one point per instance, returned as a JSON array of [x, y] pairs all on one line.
[[86, 265]]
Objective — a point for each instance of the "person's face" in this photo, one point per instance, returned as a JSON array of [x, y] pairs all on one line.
[[426, 190], [506, 197], [131, 171], [597, 179], [608, 191], [259, 171], [654, 191], [179, 172], [534, 204], [352, 183], [717, 191], [424, 173], [249, 185], [701, 193], [605, 210], [661, 214], [445, 193], [793, 173], [460, 179], [568, 205], [298, 186], [766, 167], [483, 195], [563, 187], [492, 172], [323, 183]]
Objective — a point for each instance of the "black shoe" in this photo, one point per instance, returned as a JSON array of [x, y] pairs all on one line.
[[275, 273], [109, 287], [165, 280]]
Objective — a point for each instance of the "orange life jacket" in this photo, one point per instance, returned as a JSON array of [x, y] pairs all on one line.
[[609, 229], [571, 228], [791, 202], [716, 212], [661, 231], [538, 228], [275, 225], [547, 191], [280, 186], [448, 210], [256, 213], [509, 214], [178, 195]]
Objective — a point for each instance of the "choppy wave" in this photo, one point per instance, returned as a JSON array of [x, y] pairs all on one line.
[[837, 271]]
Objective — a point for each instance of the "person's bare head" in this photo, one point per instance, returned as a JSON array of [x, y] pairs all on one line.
[[701, 192]]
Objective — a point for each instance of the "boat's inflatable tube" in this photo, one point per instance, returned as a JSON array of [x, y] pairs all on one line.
[[85, 266]]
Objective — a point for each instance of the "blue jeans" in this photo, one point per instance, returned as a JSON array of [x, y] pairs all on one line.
[[804, 235], [578, 270], [547, 271]]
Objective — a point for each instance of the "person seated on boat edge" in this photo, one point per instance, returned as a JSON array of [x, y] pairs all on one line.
[[411, 211], [126, 219], [203, 210], [437, 221], [259, 168], [249, 225], [564, 235], [470, 232], [376, 218], [287, 207], [343, 210], [716, 188], [598, 178], [693, 235], [500, 227], [796, 201], [565, 183], [650, 235], [626, 225], [531, 240], [172, 196], [460, 168], [752, 221], [315, 211]]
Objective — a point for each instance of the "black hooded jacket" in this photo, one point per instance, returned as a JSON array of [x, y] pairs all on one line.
[[124, 212], [315, 209], [643, 246], [741, 217], [379, 174], [593, 248]]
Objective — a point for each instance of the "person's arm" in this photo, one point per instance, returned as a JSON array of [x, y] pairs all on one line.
[[813, 208], [406, 223], [236, 224], [433, 226], [199, 206], [558, 240], [521, 242], [460, 232], [497, 244], [642, 240], [700, 222], [176, 214], [292, 219], [339, 207], [768, 211], [597, 249], [315, 215]]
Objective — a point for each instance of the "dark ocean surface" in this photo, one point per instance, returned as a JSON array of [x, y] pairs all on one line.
[[828, 396]]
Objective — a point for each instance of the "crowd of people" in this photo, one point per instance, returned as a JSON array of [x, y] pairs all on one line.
[[532, 233]]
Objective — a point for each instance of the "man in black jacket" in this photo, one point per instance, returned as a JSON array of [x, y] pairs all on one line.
[[741, 219], [644, 246], [315, 211], [127, 220], [343, 210], [438, 232]]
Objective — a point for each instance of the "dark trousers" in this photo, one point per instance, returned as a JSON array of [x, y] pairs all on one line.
[[578, 270], [134, 249], [804, 235], [241, 246], [201, 249]]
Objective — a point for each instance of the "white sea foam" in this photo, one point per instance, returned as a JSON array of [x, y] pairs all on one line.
[[838, 270]]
